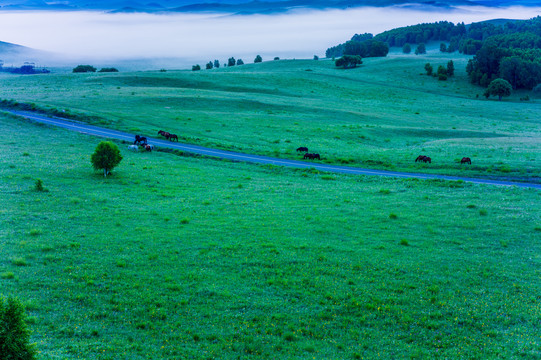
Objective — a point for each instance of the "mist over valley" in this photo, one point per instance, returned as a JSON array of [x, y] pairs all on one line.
[[141, 41]]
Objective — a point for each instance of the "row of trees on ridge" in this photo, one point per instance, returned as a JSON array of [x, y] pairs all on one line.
[[230, 62]]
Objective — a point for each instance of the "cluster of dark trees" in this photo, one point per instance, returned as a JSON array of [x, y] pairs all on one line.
[[90, 68], [27, 68], [363, 45], [442, 73], [349, 61], [513, 57]]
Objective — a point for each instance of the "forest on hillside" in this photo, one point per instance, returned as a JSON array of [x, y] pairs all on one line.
[[502, 49]]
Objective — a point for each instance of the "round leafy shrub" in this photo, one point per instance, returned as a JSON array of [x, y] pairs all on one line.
[[84, 68], [14, 335]]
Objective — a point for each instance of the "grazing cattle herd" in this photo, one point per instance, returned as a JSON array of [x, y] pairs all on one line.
[[142, 142]]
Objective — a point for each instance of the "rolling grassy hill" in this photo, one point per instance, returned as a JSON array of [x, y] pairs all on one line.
[[383, 114], [175, 257]]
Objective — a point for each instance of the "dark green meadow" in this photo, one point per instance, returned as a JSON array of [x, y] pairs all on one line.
[[381, 115], [175, 257]]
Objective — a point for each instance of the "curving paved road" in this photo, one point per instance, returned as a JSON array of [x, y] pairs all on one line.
[[114, 134]]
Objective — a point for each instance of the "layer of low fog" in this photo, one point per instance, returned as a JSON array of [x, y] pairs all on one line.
[[186, 39]]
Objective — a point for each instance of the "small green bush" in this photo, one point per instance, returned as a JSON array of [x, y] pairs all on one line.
[[14, 334], [7, 275], [19, 262], [289, 337], [84, 68], [35, 232], [121, 263], [39, 185]]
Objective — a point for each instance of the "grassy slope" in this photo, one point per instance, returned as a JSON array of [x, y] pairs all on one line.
[[382, 114], [174, 257]]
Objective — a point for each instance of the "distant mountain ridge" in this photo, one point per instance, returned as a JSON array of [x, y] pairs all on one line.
[[5, 46], [241, 6]]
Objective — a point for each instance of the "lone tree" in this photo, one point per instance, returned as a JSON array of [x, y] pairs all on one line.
[[231, 61], [258, 59], [406, 49], [442, 73], [106, 157], [429, 69], [450, 68], [421, 49], [349, 61], [240, 62], [14, 335], [499, 87], [216, 64], [209, 65], [196, 67]]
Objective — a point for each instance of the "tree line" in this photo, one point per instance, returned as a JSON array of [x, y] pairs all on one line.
[[363, 45], [230, 62]]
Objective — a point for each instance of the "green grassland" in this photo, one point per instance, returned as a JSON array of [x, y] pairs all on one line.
[[381, 115], [185, 257], [177, 257]]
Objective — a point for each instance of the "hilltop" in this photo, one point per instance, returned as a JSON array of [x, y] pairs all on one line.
[[17, 54], [6, 47]]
